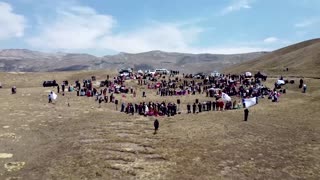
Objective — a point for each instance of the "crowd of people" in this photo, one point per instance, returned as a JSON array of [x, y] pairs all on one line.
[[237, 88], [150, 109]]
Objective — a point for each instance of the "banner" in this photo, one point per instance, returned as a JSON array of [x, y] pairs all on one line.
[[250, 102], [280, 82], [248, 74], [54, 96], [226, 97]]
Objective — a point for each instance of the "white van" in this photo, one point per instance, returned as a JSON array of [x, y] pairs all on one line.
[[215, 74], [150, 72], [162, 71]]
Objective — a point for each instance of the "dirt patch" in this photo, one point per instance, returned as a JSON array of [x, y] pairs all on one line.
[[5, 155], [14, 166]]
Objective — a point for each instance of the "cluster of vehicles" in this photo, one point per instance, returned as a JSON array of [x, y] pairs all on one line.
[[247, 75], [157, 71], [202, 75], [50, 83], [127, 72], [53, 83]]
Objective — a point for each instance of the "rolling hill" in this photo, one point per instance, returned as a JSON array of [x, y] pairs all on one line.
[[302, 59], [32, 61]]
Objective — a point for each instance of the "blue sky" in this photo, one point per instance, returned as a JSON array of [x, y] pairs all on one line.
[[103, 27]]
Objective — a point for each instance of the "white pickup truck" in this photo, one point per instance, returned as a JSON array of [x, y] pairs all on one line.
[[150, 72], [215, 74], [162, 71]]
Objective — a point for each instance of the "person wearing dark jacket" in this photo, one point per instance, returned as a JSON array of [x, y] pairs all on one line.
[[63, 87], [156, 126], [213, 105], [246, 114], [301, 83], [189, 108], [209, 106], [122, 107], [100, 101], [13, 90], [194, 106]]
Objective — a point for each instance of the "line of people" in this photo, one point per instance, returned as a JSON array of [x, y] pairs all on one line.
[[150, 109]]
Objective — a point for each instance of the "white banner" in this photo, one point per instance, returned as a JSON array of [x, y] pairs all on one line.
[[250, 102], [226, 97], [248, 74], [281, 82], [54, 96]]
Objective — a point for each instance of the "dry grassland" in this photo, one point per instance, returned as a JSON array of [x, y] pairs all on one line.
[[55, 141]]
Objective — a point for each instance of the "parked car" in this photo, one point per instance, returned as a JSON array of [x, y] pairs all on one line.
[[260, 75], [162, 71], [215, 74], [247, 74], [50, 83], [150, 73], [199, 76]]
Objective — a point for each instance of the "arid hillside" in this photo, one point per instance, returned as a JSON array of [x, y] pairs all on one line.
[[302, 59], [23, 60], [74, 138]]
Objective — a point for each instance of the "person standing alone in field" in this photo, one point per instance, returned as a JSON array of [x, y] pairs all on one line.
[[304, 88], [13, 90], [156, 126], [246, 114]]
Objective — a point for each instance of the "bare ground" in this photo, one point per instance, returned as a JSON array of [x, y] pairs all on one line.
[[54, 141]]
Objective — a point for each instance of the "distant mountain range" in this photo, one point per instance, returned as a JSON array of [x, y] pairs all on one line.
[[23, 60]]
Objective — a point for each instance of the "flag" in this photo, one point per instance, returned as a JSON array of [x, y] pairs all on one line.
[[54, 96], [250, 102], [226, 97]]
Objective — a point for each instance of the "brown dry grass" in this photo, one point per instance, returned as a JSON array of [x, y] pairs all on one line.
[[302, 59], [280, 140]]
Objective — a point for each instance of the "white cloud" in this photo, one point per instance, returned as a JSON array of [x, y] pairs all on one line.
[[307, 23], [159, 36], [271, 40], [74, 28], [11, 24], [80, 28], [237, 5]]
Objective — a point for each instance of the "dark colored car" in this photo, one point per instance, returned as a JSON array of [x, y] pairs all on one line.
[[50, 83], [199, 76]]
